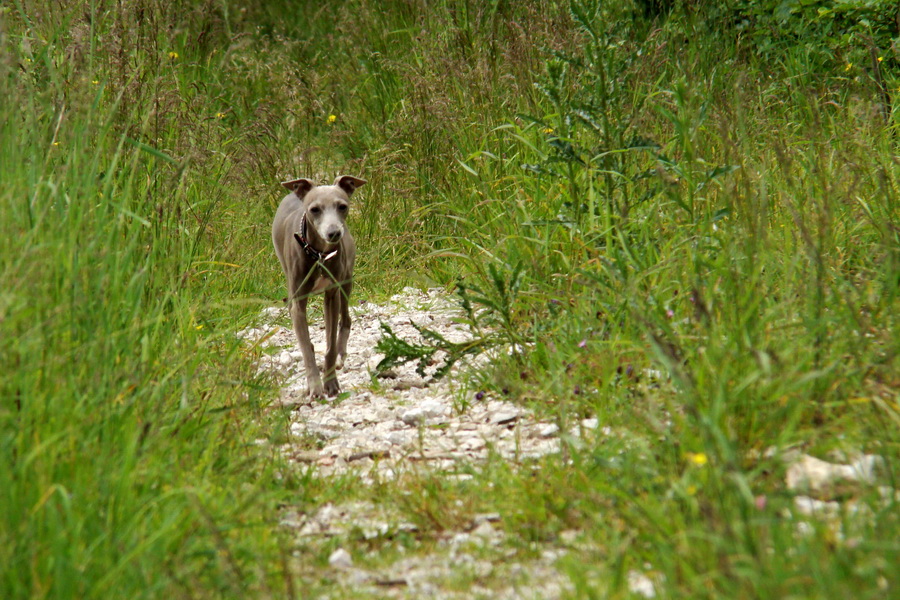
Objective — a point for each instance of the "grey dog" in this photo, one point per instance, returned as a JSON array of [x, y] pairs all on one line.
[[317, 254]]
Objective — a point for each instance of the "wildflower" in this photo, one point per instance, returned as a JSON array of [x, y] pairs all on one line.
[[691, 490], [479, 396], [849, 66], [582, 343], [880, 59], [56, 143], [548, 130], [698, 458], [331, 119], [95, 82], [220, 115], [670, 313], [760, 502], [198, 327], [173, 56]]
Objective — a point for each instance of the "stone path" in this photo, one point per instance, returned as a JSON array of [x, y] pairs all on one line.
[[388, 422]]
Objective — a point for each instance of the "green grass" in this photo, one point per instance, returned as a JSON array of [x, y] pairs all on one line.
[[620, 197]]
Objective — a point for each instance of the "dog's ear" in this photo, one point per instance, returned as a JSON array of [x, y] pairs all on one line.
[[348, 183], [299, 186]]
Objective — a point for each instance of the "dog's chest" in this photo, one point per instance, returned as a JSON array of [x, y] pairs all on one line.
[[323, 276], [321, 283]]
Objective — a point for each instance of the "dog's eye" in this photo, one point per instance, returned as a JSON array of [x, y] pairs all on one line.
[[315, 210], [342, 207]]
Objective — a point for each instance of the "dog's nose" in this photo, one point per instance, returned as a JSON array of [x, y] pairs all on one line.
[[334, 235]]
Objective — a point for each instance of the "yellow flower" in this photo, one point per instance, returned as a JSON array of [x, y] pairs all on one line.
[[691, 490], [56, 143], [698, 458], [331, 119], [198, 327], [173, 55], [849, 66], [220, 115], [95, 82], [880, 58], [548, 130]]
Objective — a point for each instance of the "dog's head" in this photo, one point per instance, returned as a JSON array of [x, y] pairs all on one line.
[[326, 206]]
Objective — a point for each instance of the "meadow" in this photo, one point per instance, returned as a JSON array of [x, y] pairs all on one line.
[[684, 214]]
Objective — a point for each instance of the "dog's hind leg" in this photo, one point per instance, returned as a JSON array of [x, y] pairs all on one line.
[[344, 332]]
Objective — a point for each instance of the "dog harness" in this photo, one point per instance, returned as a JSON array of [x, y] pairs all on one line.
[[307, 247]]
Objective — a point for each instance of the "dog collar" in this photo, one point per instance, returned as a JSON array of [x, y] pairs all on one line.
[[307, 247]]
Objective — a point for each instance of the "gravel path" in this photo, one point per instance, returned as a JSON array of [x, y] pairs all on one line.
[[385, 423]]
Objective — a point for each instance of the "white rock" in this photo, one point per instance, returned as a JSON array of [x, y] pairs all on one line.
[[810, 473], [426, 410], [285, 358], [484, 530], [502, 417], [590, 423], [474, 443], [640, 584], [549, 430], [810, 506], [486, 518], [340, 559], [413, 416], [398, 438], [434, 408]]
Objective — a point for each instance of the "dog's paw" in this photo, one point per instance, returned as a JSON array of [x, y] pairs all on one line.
[[332, 387], [316, 391]]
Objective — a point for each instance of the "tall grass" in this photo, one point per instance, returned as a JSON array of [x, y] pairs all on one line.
[[128, 409], [697, 246]]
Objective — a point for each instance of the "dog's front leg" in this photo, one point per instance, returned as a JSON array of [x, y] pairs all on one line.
[[332, 311], [301, 328]]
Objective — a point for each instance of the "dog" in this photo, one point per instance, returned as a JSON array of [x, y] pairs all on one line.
[[317, 253]]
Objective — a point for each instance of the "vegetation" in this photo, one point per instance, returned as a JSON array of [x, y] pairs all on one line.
[[684, 213]]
